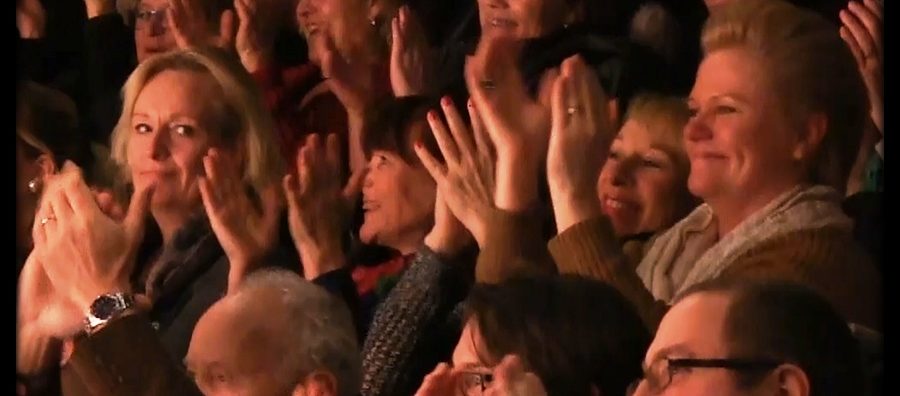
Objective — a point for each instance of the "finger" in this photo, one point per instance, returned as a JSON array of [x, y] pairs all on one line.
[[136, 216], [396, 40], [458, 129], [243, 13], [354, 185], [304, 171], [442, 136], [210, 167], [482, 141], [509, 370], [333, 154], [291, 192], [859, 32], [210, 203], [61, 207], [854, 47], [78, 194], [271, 201], [876, 8], [545, 89], [872, 23], [437, 170], [558, 106], [173, 22], [227, 29]]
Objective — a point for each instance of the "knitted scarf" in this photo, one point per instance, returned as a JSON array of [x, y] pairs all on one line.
[[691, 249]]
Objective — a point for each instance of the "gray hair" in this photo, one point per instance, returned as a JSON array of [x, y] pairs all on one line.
[[318, 331]]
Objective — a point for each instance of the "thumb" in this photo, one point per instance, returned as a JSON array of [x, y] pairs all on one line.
[[136, 216]]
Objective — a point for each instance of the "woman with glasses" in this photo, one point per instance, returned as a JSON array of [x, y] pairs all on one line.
[[762, 338], [578, 336]]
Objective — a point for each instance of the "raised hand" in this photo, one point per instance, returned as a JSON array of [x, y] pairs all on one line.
[[863, 23], [246, 231], [85, 253], [96, 8], [466, 183], [255, 36], [192, 28], [410, 55], [579, 141], [517, 123], [319, 206]]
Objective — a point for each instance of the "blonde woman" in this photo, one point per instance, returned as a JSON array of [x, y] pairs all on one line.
[[195, 144]]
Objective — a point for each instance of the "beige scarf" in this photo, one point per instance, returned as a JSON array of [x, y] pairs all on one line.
[[688, 253]]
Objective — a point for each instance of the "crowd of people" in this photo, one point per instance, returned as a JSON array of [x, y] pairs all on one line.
[[488, 197]]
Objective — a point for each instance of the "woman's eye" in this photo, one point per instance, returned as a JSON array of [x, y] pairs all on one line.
[[183, 130], [693, 111], [614, 155], [142, 128]]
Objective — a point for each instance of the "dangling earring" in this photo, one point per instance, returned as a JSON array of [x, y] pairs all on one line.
[[565, 26], [34, 185]]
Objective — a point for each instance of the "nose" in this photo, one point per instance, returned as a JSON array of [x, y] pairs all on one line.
[[621, 172], [697, 128], [158, 24], [159, 145]]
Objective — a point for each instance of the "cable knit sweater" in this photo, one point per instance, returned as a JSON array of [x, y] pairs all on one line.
[[415, 328]]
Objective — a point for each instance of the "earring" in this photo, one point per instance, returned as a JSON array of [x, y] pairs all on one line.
[[372, 22], [34, 185]]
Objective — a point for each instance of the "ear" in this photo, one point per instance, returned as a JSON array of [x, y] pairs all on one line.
[[792, 380], [813, 133], [318, 383], [46, 165]]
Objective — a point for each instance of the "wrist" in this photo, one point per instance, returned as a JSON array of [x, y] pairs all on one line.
[[517, 184], [574, 208], [29, 32], [317, 261], [445, 243]]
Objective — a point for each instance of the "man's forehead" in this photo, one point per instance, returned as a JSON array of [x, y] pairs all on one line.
[[694, 326]]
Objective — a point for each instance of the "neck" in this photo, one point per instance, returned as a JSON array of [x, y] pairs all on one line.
[[170, 220], [733, 210], [409, 244]]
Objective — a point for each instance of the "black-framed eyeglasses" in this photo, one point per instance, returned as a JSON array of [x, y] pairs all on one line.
[[474, 383], [659, 374]]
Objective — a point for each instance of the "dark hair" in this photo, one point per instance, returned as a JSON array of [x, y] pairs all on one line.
[[391, 126], [47, 117], [610, 17], [789, 322], [572, 332]]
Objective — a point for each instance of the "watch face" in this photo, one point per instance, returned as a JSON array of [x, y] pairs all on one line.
[[104, 306]]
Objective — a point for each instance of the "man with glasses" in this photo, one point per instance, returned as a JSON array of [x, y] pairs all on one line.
[[762, 338]]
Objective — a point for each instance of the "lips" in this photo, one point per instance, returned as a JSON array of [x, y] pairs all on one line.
[[503, 23]]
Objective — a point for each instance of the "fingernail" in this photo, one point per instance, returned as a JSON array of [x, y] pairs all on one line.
[[446, 101], [432, 115]]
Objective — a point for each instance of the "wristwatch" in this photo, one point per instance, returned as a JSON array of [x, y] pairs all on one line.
[[107, 307]]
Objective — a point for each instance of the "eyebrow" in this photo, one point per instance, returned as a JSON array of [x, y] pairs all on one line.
[[677, 349]]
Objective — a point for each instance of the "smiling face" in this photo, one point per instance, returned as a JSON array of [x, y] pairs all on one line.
[[642, 185], [170, 134], [344, 22], [398, 199], [739, 140], [521, 18]]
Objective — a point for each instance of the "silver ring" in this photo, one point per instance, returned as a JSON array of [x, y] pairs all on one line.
[[45, 220], [571, 110]]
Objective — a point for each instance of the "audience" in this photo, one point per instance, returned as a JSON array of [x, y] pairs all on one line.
[[607, 185]]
